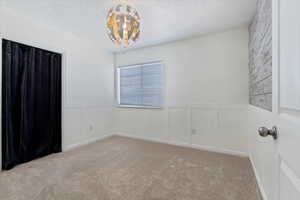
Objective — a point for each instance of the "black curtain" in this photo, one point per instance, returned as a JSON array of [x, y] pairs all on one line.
[[31, 103]]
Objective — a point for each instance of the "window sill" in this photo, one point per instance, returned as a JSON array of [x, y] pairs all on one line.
[[139, 107]]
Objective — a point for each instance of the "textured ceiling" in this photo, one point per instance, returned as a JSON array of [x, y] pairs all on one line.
[[162, 20]]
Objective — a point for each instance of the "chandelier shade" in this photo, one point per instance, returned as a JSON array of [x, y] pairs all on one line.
[[123, 25]]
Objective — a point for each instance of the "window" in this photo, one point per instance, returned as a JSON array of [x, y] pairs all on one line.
[[140, 85]]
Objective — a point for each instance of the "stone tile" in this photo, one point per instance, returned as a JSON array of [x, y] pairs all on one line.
[[267, 85], [257, 88], [268, 102], [260, 56]]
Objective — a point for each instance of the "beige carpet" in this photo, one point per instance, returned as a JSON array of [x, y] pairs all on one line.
[[125, 169]]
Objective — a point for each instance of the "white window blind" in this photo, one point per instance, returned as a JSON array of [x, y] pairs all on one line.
[[141, 85]]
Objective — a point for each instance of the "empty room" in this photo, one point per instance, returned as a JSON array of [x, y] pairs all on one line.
[[150, 100]]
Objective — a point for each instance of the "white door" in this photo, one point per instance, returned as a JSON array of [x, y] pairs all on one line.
[[286, 104]]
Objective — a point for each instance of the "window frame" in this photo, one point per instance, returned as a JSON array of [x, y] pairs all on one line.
[[117, 82]]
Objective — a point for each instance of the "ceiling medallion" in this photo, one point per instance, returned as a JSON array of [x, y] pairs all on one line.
[[123, 24]]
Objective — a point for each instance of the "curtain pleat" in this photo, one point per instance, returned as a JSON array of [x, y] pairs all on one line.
[[31, 103]]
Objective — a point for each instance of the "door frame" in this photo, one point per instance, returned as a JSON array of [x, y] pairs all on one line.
[[276, 83], [64, 83], [275, 57]]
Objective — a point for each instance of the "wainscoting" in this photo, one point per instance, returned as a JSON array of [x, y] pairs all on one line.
[[83, 125], [211, 127]]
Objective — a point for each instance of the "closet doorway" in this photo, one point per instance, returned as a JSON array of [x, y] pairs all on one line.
[[31, 103]]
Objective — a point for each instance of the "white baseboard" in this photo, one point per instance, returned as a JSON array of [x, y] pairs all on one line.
[[193, 146], [259, 182], [95, 139], [219, 150]]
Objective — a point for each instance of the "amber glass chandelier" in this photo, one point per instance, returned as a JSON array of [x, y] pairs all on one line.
[[123, 24]]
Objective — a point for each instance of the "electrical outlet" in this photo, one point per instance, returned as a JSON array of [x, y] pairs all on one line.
[[194, 131]]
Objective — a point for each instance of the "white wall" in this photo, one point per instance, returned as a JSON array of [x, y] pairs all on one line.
[[88, 76], [206, 88]]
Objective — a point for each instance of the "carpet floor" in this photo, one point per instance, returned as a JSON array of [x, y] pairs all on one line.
[[119, 168]]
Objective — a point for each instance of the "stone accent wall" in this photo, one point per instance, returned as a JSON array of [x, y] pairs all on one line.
[[260, 58]]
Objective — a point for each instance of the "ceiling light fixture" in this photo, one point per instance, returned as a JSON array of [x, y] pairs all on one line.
[[123, 24]]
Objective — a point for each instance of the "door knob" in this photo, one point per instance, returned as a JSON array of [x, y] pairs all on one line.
[[264, 132]]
